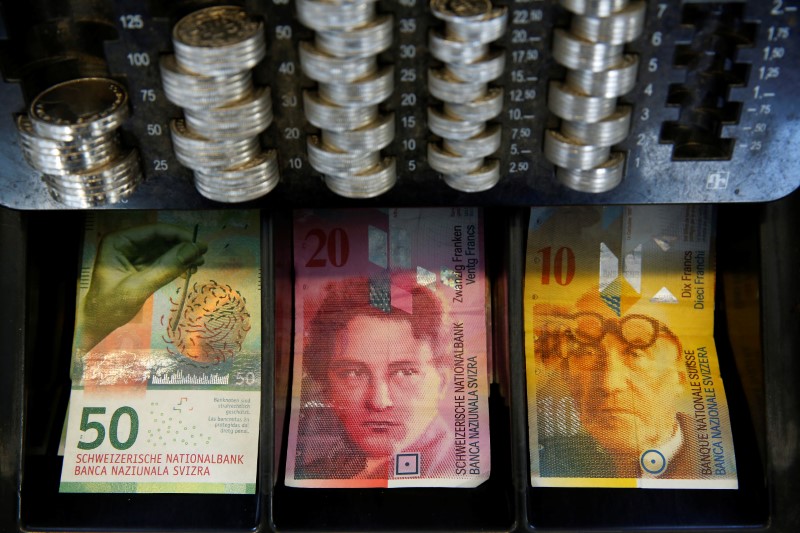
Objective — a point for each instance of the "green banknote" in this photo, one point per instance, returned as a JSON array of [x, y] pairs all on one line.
[[624, 388], [166, 363]]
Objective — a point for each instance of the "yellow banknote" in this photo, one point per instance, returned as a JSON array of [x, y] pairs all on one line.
[[624, 388]]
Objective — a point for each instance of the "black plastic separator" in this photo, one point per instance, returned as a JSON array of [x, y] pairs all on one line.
[[12, 331]]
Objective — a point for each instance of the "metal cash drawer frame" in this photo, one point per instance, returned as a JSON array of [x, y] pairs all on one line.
[[760, 168]]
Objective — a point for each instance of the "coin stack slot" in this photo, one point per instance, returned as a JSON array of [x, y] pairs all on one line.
[[598, 72], [711, 70], [470, 63], [70, 135], [210, 77], [54, 41], [343, 60]]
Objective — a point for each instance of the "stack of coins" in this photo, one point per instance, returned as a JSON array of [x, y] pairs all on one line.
[[351, 85], [462, 85], [210, 77], [599, 72], [69, 135]]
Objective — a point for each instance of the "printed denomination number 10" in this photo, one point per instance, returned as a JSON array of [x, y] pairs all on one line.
[[332, 247], [562, 273]]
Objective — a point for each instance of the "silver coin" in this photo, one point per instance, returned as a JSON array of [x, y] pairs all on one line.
[[485, 30], [367, 40], [59, 164], [479, 180], [220, 64], [482, 145], [248, 182], [574, 52], [65, 157], [98, 199], [85, 107], [620, 27], [569, 153], [197, 152], [244, 118], [484, 70], [369, 90], [461, 10], [215, 27], [616, 81], [448, 88], [329, 160], [611, 130], [368, 183], [187, 89], [124, 168], [594, 8], [601, 178], [218, 41], [327, 115], [326, 68], [449, 127], [485, 108], [447, 162], [323, 15], [240, 195], [450, 51], [569, 104], [105, 185], [371, 137]]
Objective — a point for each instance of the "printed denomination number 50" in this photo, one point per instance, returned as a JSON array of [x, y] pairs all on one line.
[[113, 428], [336, 243]]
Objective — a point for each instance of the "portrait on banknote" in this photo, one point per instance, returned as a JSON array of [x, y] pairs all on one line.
[[390, 367], [384, 374], [623, 379]]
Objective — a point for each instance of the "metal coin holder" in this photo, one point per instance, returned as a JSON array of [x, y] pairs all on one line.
[[468, 103], [351, 85], [586, 101], [210, 77]]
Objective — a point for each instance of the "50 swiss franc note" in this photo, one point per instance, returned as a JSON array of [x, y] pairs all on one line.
[[166, 363], [390, 354], [624, 388]]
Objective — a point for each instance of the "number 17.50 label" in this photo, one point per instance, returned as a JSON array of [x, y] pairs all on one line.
[[168, 441]]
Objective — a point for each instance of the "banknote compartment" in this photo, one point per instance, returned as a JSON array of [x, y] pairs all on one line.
[[615, 508], [489, 506], [53, 242]]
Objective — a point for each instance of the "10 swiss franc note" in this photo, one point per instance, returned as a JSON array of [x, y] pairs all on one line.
[[166, 364], [390, 385], [624, 388]]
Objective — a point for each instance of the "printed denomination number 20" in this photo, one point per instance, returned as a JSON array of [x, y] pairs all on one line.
[[113, 428], [332, 247]]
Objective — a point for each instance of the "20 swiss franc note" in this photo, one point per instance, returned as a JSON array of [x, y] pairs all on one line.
[[166, 363], [390, 385], [624, 388]]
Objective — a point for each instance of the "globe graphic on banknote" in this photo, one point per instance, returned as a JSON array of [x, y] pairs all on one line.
[[211, 325]]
